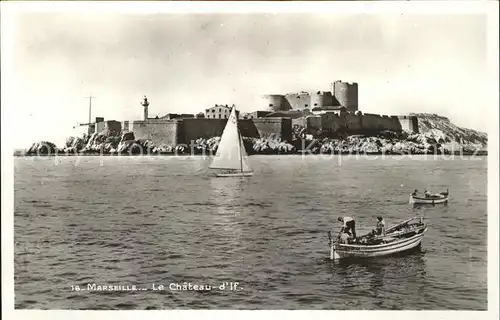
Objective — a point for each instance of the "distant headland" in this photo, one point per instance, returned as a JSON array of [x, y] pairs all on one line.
[[322, 122]]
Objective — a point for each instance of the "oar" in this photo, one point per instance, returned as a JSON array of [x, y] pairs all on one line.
[[399, 225], [330, 238]]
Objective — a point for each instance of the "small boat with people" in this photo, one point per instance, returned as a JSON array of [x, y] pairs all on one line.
[[429, 198], [402, 237]]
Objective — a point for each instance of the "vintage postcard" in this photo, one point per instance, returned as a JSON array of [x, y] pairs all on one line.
[[239, 156]]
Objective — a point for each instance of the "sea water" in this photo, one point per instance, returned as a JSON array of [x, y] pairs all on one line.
[[88, 230]]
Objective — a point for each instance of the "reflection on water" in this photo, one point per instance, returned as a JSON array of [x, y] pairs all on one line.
[[226, 195], [426, 206], [401, 272], [142, 220]]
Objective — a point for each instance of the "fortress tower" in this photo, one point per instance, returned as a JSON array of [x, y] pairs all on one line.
[[145, 104], [346, 94], [322, 99], [275, 102]]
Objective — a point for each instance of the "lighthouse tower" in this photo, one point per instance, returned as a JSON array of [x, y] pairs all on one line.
[[145, 104]]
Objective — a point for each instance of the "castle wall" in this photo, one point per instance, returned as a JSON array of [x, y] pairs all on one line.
[[276, 128], [248, 128], [298, 101], [413, 126], [125, 126], [394, 124], [331, 122], [173, 132], [158, 131], [171, 116], [192, 129], [352, 122], [286, 129], [257, 114], [99, 126], [314, 123], [409, 123], [301, 122], [112, 127], [380, 123]]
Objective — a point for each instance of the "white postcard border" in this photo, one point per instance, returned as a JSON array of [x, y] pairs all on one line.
[[489, 8]]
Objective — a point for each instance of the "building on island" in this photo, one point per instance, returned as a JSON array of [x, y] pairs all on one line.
[[101, 125], [298, 101], [274, 102], [346, 94], [171, 116], [219, 111], [334, 110], [342, 94], [256, 114], [327, 113]]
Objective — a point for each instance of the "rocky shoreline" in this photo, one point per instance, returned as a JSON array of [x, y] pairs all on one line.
[[298, 153], [388, 143], [437, 135]]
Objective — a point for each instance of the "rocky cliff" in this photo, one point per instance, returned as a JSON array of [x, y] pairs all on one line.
[[437, 135], [443, 131]]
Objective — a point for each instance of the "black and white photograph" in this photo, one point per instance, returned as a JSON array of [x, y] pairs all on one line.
[[331, 156]]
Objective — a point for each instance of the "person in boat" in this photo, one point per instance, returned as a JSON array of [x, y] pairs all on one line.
[[380, 226], [415, 193], [345, 238], [349, 226], [427, 194]]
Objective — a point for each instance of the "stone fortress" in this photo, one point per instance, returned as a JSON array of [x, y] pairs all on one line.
[[278, 116]]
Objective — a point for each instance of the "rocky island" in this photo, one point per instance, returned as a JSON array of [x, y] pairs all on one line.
[[437, 135]]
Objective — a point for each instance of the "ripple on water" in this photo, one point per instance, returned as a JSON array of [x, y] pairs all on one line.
[[267, 233]]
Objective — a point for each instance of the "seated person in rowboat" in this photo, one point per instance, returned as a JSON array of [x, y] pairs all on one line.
[[380, 226], [349, 225], [431, 195], [415, 193]]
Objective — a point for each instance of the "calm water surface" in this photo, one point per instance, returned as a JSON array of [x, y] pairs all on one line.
[[161, 220]]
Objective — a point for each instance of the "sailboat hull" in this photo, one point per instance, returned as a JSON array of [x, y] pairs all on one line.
[[235, 174]]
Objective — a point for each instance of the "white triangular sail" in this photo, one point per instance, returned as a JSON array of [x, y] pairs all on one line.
[[231, 152], [245, 167]]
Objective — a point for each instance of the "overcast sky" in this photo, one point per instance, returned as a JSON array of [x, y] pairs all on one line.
[[188, 62]]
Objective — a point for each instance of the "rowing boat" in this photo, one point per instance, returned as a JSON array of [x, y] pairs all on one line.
[[437, 198], [400, 238], [433, 199]]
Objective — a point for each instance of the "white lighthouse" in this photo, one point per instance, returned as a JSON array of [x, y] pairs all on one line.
[[145, 104]]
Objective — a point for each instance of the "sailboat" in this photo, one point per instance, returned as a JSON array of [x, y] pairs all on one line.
[[231, 156]]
